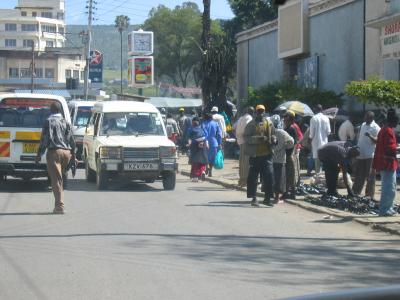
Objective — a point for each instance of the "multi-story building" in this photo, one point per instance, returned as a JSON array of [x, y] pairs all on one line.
[[36, 28], [322, 44]]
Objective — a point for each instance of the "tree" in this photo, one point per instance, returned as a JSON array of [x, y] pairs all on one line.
[[253, 13], [177, 35], [384, 93], [206, 55], [121, 23]]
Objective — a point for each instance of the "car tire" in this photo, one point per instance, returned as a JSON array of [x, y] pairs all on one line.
[[169, 181], [101, 178], [89, 173]]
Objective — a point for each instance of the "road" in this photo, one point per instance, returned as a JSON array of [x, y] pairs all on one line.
[[202, 241]]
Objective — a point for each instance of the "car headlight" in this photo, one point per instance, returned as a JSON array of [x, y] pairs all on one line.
[[167, 151], [111, 152]]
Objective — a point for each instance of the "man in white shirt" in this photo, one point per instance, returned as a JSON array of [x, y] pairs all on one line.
[[320, 129], [219, 119], [363, 166], [346, 131], [239, 127]]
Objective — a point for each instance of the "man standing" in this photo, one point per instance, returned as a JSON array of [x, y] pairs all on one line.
[[259, 138], [243, 158], [291, 164], [172, 127], [219, 119], [319, 131], [182, 123], [363, 166], [385, 161], [57, 138], [334, 156]]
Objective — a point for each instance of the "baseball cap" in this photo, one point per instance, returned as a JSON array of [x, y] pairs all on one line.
[[260, 107], [290, 113], [181, 109], [214, 109]]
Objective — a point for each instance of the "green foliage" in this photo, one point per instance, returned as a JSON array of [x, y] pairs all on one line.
[[276, 93], [177, 35], [121, 23], [253, 13], [379, 92]]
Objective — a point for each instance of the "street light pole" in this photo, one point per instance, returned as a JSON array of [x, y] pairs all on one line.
[[88, 41]]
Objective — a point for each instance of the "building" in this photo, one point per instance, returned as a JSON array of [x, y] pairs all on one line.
[[35, 30], [322, 44]]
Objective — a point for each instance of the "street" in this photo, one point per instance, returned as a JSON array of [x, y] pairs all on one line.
[[201, 241]]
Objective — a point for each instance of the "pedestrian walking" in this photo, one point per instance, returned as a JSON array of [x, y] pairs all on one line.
[[198, 150], [385, 162], [243, 157], [219, 119], [214, 137], [58, 140], [291, 164], [182, 123], [334, 157], [283, 142], [172, 127], [259, 139], [319, 131], [363, 170]]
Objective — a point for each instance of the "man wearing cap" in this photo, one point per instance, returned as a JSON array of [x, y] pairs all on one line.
[[259, 139], [334, 157], [219, 119], [385, 162]]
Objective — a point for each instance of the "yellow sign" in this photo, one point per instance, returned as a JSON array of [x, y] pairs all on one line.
[[5, 135], [32, 136], [30, 147]]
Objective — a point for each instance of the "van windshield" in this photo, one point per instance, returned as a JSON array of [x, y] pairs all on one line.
[[131, 124], [83, 115], [24, 112]]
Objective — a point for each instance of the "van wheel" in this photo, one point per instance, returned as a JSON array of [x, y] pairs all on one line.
[[169, 180], [101, 178], [89, 173]]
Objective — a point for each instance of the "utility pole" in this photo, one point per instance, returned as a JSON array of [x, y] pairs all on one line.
[[32, 66], [88, 42]]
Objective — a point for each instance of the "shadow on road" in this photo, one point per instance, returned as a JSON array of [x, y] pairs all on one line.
[[81, 185], [21, 186], [27, 214]]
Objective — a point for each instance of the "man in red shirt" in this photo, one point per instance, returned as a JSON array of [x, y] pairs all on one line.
[[385, 162]]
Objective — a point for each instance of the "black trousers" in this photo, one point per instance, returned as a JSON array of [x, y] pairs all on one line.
[[331, 176], [261, 165]]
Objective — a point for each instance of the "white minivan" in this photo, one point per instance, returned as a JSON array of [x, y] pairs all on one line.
[[80, 111], [21, 120], [127, 139]]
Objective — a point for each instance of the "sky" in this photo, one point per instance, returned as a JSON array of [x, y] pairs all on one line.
[[136, 10]]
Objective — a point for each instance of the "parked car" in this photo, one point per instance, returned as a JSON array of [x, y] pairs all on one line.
[[127, 139], [80, 111], [21, 120]]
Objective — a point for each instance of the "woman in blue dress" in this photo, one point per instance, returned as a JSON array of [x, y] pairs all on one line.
[[214, 137]]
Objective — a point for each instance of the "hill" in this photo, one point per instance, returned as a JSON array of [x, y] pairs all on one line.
[[106, 39]]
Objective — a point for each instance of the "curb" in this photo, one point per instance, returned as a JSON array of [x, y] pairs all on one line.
[[385, 227]]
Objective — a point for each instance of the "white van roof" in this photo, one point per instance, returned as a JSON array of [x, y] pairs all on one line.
[[124, 106], [78, 103]]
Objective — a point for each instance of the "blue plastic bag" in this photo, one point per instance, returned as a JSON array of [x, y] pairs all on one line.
[[219, 160]]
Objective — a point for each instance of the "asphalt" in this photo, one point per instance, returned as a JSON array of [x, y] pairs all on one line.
[[229, 175]]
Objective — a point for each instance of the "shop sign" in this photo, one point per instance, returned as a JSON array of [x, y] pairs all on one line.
[[390, 41], [141, 71]]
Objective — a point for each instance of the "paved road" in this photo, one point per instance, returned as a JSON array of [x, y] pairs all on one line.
[[137, 241]]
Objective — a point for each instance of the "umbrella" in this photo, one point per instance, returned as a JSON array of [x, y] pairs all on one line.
[[336, 113], [298, 107]]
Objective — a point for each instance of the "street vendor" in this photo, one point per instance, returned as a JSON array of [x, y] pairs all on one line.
[[334, 157]]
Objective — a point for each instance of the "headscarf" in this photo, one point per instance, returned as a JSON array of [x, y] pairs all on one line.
[[276, 120]]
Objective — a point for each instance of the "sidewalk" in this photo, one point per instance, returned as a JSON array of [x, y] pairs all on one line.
[[228, 177]]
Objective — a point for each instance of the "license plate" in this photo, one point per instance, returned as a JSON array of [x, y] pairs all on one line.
[[140, 166], [30, 147]]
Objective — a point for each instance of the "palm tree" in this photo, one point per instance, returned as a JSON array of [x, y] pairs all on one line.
[[121, 23]]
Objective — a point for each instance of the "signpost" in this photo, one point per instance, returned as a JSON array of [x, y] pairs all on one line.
[[140, 62], [96, 66]]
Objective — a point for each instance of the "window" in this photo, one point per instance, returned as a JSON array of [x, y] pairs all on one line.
[[34, 14], [46, 14], [11, 43], [83, 115], [49, 73], [67, 73], [76, 74], [25, 72], [61, 30], [38, 72], [28, 43], [13, 73], [29, 27], [131, 123], [60, 16], [49, 28], [49, 44], [23, 13], [82, 75], [11, 27]]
